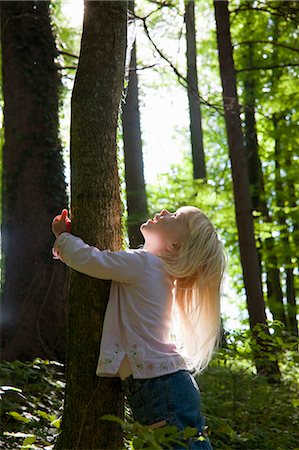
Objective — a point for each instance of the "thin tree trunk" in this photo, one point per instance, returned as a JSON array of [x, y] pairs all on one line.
[[283, 198], [292, 324], [96, 217], [33, 186], [243, 205], [134, 173], [198, 157], [291, 302], [257, 189], [290, 278]]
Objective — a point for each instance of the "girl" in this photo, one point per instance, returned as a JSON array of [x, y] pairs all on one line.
[[179, 270]]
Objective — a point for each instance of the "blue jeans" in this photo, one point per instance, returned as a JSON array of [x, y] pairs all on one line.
[[172, 399]]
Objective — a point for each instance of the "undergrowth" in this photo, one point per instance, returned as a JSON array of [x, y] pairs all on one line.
[[243, 410]]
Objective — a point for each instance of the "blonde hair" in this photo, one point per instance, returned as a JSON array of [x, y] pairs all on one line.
[[197, 268]]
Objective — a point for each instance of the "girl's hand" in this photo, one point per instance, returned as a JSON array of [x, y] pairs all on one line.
[[61, 223]]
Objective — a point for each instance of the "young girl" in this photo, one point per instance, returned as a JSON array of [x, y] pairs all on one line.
[[179, 270]]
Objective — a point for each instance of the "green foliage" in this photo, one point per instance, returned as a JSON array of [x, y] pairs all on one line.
[[31, 401], [243, 410], [265, 36], [140, 437]]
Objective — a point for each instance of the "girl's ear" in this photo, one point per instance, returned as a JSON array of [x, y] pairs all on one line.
[[173, 248]]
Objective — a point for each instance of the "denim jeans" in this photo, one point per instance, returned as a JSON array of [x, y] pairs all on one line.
[[172, 399]]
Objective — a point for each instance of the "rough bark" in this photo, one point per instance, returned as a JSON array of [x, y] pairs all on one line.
[[33, 186], [96, 217], [198, 157], [242, 198], [134, 173]]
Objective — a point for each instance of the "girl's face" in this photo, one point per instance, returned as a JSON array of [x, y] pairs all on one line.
[[164, 232]]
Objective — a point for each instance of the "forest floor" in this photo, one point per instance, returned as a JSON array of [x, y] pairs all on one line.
[[243, 411]]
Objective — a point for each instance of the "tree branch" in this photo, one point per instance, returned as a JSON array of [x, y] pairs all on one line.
[[276, 66], [182, 80], [67, 68], [274, 11], [144, 67], [267, 42], [62, 52]]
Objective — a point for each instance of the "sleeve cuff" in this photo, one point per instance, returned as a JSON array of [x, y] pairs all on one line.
[[57, 245]]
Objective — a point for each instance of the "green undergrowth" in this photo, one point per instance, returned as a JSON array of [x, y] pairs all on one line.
[[31, 404], [243, 410]]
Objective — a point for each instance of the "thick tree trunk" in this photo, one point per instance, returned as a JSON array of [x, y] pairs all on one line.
[[134, 173], [243, 205], [33, 186], [198, 157], [96, 217]]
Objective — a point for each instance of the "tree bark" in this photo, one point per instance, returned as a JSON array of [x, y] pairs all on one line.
[[96, 217], [292, 324], [290, 277], [134, 173], [284, 197], [258, 197], [243, 205], [33, 186], [198, 157]]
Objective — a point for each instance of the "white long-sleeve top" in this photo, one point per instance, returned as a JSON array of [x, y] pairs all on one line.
[[138, 317]]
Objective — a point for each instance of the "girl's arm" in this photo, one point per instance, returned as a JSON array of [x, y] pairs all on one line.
[[122, 266]]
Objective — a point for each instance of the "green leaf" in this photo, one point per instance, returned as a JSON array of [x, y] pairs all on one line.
[[189, 432], [18, 416], [112, 418], [10, 388], [56, 423], [29, 440]]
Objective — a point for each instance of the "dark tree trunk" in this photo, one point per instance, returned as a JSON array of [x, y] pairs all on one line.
[[134, 174], [291, 302], [290, 278], [198, 157], [33, 186], [96, 217], [243, 205], [292, 324], [258, 197], [283, 197]]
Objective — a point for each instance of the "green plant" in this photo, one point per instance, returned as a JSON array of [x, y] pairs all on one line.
[[140, 437], [243, 410], [31, 402]]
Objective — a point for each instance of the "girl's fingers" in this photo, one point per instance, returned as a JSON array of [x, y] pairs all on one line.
[[68, 225], [64, 214]]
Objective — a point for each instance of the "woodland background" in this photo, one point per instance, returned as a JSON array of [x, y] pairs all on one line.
[[234, 155]]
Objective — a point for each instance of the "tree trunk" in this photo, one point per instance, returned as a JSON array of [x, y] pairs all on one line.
[[290, 278], [96, 217], [291, 303], [198, 157], [284, 197], [258, 197], [243, 205], [134, 174], [281, 217], [33, 186]]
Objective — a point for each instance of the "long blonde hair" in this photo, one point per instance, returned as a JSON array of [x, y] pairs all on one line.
[[197, 268]]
